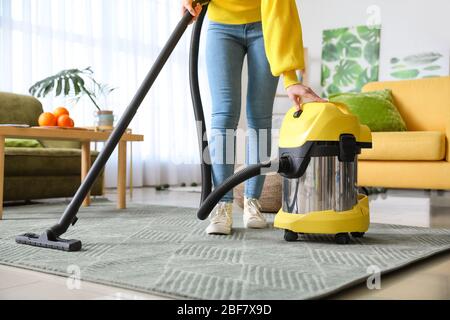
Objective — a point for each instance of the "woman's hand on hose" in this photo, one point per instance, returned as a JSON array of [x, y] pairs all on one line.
[[187, 6], [300, 94]]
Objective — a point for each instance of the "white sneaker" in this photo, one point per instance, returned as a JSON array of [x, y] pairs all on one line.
[[253, 217], [222, 220]]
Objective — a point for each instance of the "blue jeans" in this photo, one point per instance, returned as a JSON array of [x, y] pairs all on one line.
[[227, 46]]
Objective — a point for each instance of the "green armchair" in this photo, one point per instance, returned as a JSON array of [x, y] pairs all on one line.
[[39, 170]]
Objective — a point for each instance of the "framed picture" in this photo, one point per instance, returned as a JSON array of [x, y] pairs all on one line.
[[420, 65], [350, 58]]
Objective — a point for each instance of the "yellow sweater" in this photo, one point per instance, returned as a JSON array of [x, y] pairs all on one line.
[[281, 26]]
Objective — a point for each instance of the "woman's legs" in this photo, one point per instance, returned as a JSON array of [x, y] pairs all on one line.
[[225, 56], [262, 86]]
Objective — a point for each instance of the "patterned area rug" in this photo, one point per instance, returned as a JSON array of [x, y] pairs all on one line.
[[165, 251]]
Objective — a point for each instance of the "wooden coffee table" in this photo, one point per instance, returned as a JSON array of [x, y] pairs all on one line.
[[86, 137]]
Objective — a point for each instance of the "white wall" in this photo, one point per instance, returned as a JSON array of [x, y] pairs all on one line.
[[407, 25]]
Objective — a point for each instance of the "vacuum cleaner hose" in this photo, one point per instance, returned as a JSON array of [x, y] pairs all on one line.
[[250, 172], [198, 106]]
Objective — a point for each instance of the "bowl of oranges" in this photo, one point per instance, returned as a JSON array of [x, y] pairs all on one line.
[[59, 118]]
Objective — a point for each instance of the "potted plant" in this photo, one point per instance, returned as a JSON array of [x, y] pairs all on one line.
[[77, 84]]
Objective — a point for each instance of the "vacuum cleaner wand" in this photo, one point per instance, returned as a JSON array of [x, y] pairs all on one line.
[[50, 238]]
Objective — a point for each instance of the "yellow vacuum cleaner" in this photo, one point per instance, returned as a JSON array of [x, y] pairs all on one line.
[[319, 150]]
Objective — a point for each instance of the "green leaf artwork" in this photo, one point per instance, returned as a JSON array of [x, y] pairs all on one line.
[[424, 58], [399, 66], [349, 46], [372, 52], [432, 68], [369, 75], [330, 53], [418, 66], [350, 58], [330, 35], [332, 89], [326, 72], [371, 35], [346, 73], [406, 74]]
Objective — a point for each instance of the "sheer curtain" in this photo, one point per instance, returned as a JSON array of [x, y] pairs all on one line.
[[119, 39]]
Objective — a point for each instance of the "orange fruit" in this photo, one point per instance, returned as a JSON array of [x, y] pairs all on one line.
[[65, 121], [60, 111], [47, 119]]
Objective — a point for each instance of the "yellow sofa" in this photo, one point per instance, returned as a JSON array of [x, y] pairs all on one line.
[[419, 158]]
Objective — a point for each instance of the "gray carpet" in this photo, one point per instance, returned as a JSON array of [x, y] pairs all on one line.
[[165, 251]]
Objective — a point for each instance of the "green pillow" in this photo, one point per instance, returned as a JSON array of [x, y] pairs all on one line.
[[375, 109], [22, 143], [60, 144]]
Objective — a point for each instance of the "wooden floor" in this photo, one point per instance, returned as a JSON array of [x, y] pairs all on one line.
[[427, 280]]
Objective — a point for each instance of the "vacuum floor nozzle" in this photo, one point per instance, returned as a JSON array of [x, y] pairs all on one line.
[[44, 241]]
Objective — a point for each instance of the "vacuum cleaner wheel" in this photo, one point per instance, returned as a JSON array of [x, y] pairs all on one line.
[[290, 236], [342, 238], [358, 234]]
